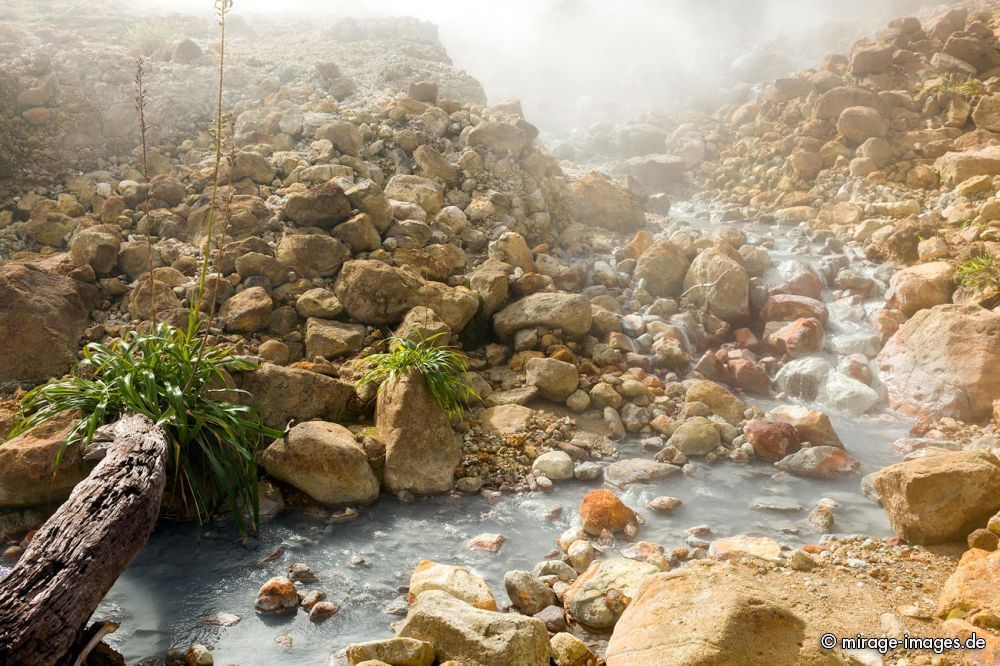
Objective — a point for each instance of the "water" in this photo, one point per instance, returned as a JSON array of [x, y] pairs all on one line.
[[179, 580]]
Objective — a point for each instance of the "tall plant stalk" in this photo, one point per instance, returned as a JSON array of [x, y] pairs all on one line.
[[140, 107]]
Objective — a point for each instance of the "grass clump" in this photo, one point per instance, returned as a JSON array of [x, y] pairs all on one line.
[[177, 380], [443, 370], [981, 272]]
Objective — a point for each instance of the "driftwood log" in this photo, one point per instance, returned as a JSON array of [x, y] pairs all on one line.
[[78, 554]]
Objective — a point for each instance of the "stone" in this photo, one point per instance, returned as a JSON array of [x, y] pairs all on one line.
[[277, 596], [940, 498], [489, 281], [247, 311], [986, 115], [344, 135], [281, 395], [396, 651], [506, 419], [318, 302], [421, 449], [942, 362], [970, 591], [528, 594], [771, 440], [455, 581], [597, 599], [720, 401], [511, 249], [919, 287], [330, 339], [744, 546], [358, 234], [248, 164], [624, 473], [96, 247], [568, 650], [664, 504], [186, 52], [788, 307], [498, 137], [871, 59], [322, 206], [728, 618], [324, 461], [42, 318], [657, 172], [859, 123], [555, 380], [663, 267], [556, 465], [602, 510], [373, 292], [416, 190], [568, 312], [29, 476], [718, 282], [471, 635], [811, 425], [696, 436], [312, 255], [598, 201], [822, 462], [955, 167], [798, 338]]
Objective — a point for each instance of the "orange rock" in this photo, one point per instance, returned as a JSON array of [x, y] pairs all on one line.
[[988, 656], [602, 510], [639, 244], [972, 589]]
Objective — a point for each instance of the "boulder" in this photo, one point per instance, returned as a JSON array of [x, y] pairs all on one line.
[[344, 135], [554, 379], [922, 286], [740, 546], [986, 115], [312, 255], [42, 317], [940, 498], [798, 338], [498, 137], [599, 596], [719, 400], [29, 476], [527, 593], [555, 465], [489, 281], [788, 307], [318, 302], [96, 247], [469, 635], [871, 59], [832, 103], [456, 581], [726, 615], [330, 339], [811, 425], [568, 312], [421, 450], [821, 462], [717, 281], [277, 596], [696, 436], [247, 311], [598, 201], [282, 395], [395, 651], [771, 440], [971, 590], [624, 473], [942, 362], [657, 172], [662, 266], [511, 249], [324, 461], [358, 234], [956, 167], [322, 206], [602, 510], [860, 123], [505, 419], [373, 292], [416, 190]]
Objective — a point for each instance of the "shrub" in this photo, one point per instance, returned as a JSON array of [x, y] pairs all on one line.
[[978, 273], [443, 370], [177, 380]]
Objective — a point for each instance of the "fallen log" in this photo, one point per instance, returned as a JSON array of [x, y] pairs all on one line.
[[78, 554]]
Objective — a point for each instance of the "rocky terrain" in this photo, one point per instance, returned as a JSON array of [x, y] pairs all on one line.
[[836, 250]]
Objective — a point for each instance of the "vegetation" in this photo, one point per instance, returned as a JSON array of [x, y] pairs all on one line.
[[979, 273], [180, 383], [971, 87], [149, 36], [443, 369]]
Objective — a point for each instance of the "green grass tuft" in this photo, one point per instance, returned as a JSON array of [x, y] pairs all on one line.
[[978, 273]]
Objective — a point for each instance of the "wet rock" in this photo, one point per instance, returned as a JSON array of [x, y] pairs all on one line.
[[395, 651], [848, 395], [719, 400], [798, 338], [554, 618], [922, 286], [823, 462], [487, 541], [788, 307], [597, 200], [467, 634], [324, 461], [555, 380], [662, 267], [717, 280], [323, 610], [624, 473], [528, 594], [728, 617], [568, 312], [601, 594], [696, 436], [602, 510], [277, 596], [455, 581], [811, 425], [771, 440], [555, 465], [940, 498], [664, 504], [581, 553], [28, 472]]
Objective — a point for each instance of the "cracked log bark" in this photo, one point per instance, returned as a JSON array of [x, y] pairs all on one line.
[[76, 556]]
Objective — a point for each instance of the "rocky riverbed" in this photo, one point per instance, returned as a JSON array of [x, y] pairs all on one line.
[[699, 380]]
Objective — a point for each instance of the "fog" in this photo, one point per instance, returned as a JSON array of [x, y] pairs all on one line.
[[577, 62]]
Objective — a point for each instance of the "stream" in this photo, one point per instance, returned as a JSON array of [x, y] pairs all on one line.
[[180, 579]]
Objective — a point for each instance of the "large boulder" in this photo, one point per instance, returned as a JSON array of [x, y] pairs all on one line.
[[706, 613], [598, 201], [971, 590], [421, 450], [717, 280], [324, 461], [373, 292], [285, 394], [663, 266], [922, 286], [42, 317], [940, 498], [473, 636], [29, 476], [568, 312], [657, 172], [943, 361], [395, 651], [600, 595]]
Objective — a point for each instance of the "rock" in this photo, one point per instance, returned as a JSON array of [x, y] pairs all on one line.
[[312, 255], [847, 395], [369, 198], [568, 312], [787, 307], [602, 510], [580, 554], [320, 303], [720, 401], [506, 419], [922, 286], [96, 247], [322, 610], [455, 581], [395, 651], [717, 281], [328, 338], [598, 201], [986, 115], [874, 59], [942, 363], [282, 395], [29, 476], [344, 135], [489, 281], [728, 618], [557, 568], [811, 425], [416, 190], [373, 292], [247, 311], [186, 52], [970, 591], [822, 462], [498, 137], [624, 473], [322, 206], [555, 380], [804, 377], [602, 593], [421, 450], [940, 498], [663, 267], [858, 123], [528, 594], [657, 172], [696, 436], [471, 635], [664, 504], [744, 546], [798, 338], [556, 465], [568, 650], [42, 317], [771, 440], [324, 461], [358, 234], [248, 164], [198, 655], [956, 167], [511, 249], [277, 596], [578, 401]]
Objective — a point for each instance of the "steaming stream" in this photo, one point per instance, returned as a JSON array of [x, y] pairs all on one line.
[[180, 580]]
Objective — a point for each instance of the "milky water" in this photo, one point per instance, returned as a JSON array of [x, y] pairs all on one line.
[[180, 579]]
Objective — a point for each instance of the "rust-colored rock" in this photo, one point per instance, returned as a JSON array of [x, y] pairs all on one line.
[[602, 510]]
